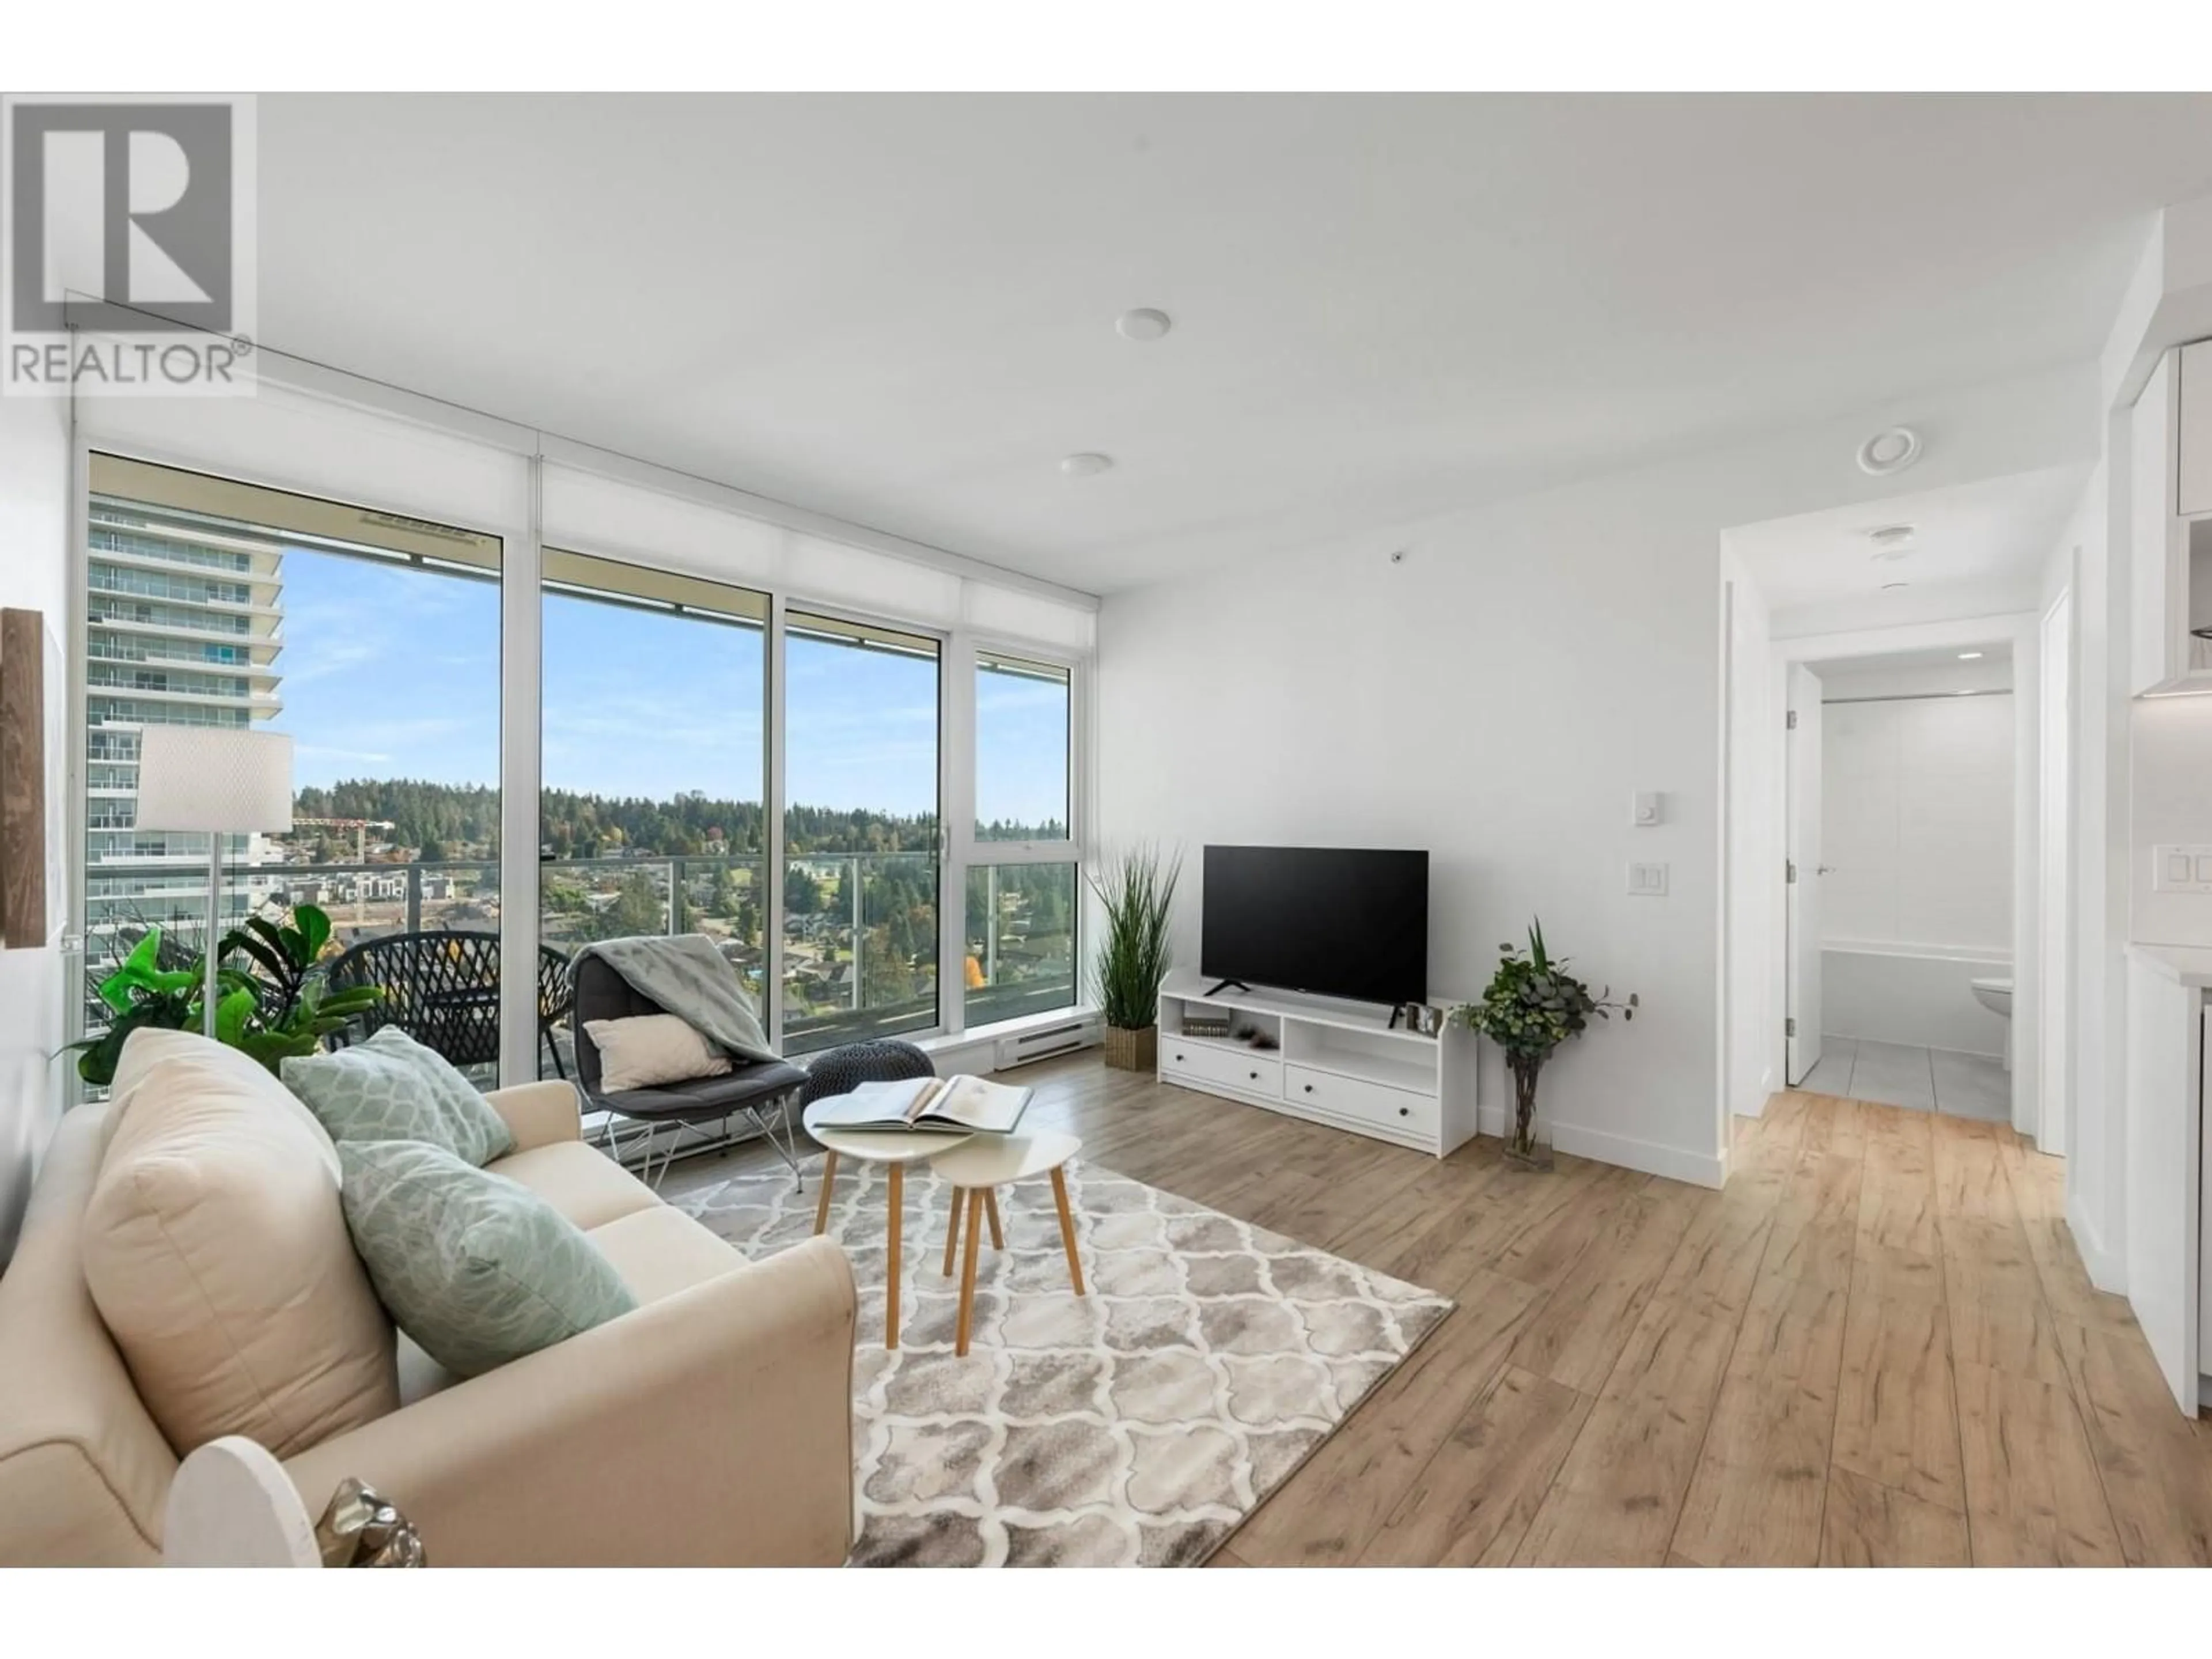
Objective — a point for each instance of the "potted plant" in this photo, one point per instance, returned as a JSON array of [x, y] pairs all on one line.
[[1532, 1006], [1137, 891], [267, 1013]]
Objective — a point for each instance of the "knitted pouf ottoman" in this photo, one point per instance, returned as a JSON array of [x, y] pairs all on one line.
[[840, 1071]]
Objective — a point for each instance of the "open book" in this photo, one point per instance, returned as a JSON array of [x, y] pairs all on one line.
[[949, 1105]]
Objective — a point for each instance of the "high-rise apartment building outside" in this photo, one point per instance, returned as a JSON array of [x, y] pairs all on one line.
[[183, 623]]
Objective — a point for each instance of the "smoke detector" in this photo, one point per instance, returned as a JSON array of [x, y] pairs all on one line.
[[1089, 464], [1891, 541], [1891, 450], [1145, 323]]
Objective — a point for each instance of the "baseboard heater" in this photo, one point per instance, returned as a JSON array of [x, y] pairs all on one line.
[[1043, 1043]]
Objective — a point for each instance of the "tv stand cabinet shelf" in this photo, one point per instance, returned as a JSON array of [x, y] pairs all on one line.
[[1336, 1063]]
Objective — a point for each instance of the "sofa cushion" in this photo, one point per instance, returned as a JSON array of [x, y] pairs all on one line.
[[660, 1251], [648, 1050], [582, 1182], [477, 1269], [216, 1252], [393, 1088]]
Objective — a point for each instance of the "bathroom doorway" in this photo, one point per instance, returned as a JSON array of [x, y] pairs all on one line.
[[1903, 800]]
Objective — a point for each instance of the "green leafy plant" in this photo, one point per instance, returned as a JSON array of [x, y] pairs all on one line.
[[1533, 1005], [274, 1011], [282, 1011], [149, 987], [1137, 891]]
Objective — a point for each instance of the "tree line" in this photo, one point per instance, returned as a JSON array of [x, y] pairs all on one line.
[[439, 821]]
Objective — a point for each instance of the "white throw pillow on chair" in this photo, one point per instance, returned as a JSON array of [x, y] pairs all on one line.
[[651, 1050]]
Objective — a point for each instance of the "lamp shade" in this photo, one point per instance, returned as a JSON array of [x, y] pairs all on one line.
[[221, 779]]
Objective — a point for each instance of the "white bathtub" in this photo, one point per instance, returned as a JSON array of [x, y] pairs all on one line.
[[1921, 995]]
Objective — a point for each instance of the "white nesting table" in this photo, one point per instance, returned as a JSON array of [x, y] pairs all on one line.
[[982, 1163], [896, 1148]]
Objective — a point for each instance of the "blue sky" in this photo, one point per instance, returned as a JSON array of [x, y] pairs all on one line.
[[393, 672]]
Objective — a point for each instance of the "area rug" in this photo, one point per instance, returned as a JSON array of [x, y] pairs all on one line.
[[1136, 1425]]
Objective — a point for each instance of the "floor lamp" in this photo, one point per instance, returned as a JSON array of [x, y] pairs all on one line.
[[223, 781]]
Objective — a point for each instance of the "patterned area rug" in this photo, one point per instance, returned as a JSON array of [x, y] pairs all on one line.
[[1137, 1425]]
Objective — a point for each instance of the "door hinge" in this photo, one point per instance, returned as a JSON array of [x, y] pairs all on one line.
[[1789, 721], [1789, 870], [1789, 1028]]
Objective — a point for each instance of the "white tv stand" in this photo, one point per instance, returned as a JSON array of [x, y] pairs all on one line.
[[1337, 1063]]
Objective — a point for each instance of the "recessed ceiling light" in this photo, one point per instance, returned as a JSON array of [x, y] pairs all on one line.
[[1143, 323], [1891, 587], [1969, 656], [1891, 450], [1087, 465], [1892, 541]]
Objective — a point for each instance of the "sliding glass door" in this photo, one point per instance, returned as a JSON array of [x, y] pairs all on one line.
[[654, 763], [860, 831]]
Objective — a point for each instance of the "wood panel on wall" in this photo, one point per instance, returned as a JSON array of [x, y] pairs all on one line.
[[22, 779]]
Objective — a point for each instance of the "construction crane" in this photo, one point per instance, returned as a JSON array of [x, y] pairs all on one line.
[[360, 826]]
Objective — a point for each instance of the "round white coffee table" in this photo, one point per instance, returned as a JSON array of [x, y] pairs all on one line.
[[896, 1148], [985, 1162]]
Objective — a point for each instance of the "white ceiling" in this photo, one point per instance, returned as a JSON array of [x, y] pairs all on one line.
[[1989, 539], [900, 308]]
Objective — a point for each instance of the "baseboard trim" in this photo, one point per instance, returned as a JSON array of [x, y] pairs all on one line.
[[1628, 1152], [2107, 1272]]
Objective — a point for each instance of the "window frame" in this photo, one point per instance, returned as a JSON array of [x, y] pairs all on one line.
[[946, 642], [517, 536], [969, 851]]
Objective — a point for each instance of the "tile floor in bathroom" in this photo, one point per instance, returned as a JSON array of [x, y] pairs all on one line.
[[1924, 1079]]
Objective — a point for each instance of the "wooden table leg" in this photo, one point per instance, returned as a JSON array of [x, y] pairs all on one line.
[[952, 1231], [991, 1209], [968, 1274], [1066, 1228], [822, 1205], [891, 1266]]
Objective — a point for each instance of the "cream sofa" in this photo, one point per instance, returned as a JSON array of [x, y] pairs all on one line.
[[712, 1426]]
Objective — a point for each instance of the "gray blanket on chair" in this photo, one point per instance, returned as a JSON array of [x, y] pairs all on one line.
[[689, 977]]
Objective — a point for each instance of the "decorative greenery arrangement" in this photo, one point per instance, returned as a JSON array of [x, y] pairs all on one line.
[[272, 1011], [282, 1011], [1532, 1006], [1137, 891]]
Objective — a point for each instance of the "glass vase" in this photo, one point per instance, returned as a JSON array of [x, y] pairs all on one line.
[[1528, 1133]]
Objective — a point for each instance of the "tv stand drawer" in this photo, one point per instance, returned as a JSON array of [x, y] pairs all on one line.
[[1202, 1064], [1399, 1111]]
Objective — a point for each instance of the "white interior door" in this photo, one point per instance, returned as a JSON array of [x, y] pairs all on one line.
[[1802, 998]]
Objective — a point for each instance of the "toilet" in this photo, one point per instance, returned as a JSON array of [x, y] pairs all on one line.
[[1995, 995]]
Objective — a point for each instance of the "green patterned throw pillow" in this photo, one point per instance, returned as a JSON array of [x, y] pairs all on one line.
[[393, 1088], [478, 1269]]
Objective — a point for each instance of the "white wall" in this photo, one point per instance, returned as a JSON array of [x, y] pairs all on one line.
[[33, 575], [1497, 698], [2170, 803], [1752, 902], [1916, 808]]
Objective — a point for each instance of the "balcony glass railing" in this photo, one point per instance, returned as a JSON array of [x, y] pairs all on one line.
[[860, 932]]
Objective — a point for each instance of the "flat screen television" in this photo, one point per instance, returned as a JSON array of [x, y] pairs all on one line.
[[1332, 920]]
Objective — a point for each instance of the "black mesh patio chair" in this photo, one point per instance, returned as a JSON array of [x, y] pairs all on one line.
[[442, 989], [767, 1091]]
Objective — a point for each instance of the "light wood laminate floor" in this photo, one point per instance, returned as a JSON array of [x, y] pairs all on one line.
[[1877, 1345]]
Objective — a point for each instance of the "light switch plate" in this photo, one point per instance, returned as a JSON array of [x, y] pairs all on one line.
[[2181, 869], [1644, 810], [1647, 880]]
